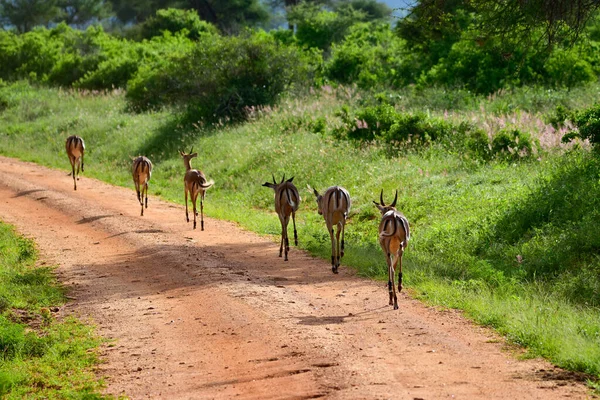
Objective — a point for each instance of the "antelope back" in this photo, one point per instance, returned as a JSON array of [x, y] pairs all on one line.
[[394, 223], [141, 169], [336, 199], [287, 198], [75, 146]]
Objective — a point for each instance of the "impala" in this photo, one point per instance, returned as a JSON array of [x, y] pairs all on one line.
[[287, 200], [334, 206], [195, 184], [394, 234], [142, 171], [75, 149]]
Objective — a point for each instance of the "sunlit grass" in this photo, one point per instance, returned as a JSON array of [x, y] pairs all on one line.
[[40, 357], [496, 239]]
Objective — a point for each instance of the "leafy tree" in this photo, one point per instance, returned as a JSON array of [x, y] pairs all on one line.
[[231, 15], [137, 11], [27, 14], [558, 20], [81, 12], [319, 28], [373, 9]]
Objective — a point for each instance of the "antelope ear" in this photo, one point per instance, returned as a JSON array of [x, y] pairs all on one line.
[[194, 155], [181, 153], [268, 184], [291, 179], [316, 193]]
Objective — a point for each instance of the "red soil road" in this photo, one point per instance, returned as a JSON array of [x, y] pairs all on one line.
[[216, 314]]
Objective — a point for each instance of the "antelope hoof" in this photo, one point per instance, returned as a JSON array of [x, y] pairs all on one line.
[[399, 288], [395, 306], [334, 269], [202, 225], [194, 224]]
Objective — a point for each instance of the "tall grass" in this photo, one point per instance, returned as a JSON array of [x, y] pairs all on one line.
[[511, 242], [39, 356]]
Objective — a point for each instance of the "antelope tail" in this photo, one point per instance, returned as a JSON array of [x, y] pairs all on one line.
[[289, 198], [207, 184]]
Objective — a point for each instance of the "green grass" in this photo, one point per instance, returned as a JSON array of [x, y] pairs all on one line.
[[514, 244], [40, 357]]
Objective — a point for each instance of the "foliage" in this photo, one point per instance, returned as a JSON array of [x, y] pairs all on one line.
[[588, 123], [374, 10], [174, 20], [370, 55], [221, 77], [27, 14], [319, 28]]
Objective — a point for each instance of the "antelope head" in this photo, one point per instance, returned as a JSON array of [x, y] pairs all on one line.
[[188, 157], [381, 205], [319, 197], [275, 185]]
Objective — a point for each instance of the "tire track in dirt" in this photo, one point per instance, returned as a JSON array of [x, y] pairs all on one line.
[[216, 314]]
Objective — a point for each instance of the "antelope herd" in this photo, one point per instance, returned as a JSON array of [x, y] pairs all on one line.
[[334, 205]]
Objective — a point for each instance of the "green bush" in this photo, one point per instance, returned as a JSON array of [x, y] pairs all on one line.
[[385, 124], [588, 123], [175, 20], [318, 28], [221, 77], [370, 55], [512, 144]]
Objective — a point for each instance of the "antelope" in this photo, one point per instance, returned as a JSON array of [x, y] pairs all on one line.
[[394, 234], [195, 184], [334, 206], [287, 200], [75, 149], [142, 171]]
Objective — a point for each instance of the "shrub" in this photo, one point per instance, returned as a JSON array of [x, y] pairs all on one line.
[[369, 56], [384, 123], [588, 123], [221, 77], [320, 28], [512, 144], [175, 20]]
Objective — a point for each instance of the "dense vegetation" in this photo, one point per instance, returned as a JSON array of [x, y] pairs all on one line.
[[491, 139], [39, 356]]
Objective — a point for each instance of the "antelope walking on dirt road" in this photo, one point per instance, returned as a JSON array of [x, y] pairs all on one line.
[[75, 149], [195, 184], [394, 234], [334, 206], [142, 171], [287, 200]]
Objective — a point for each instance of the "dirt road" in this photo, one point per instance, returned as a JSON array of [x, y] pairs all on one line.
[[216, 314]]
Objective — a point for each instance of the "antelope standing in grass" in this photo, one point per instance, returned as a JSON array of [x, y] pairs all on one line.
[[287, 200], [334, 206], [142, 171], [75, 149], [394, 234], [195, 184]]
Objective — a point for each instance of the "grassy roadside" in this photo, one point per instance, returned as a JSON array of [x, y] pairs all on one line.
[[514, 244], [40, 357]]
